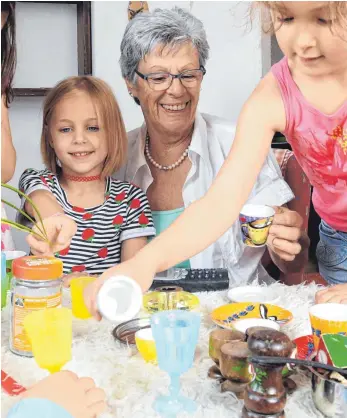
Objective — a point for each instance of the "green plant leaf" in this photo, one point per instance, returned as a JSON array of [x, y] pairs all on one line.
[[14, 189], [22, 228], [22, 212]]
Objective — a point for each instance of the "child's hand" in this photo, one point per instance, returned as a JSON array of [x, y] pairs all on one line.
[[78, 396], [60, 230], [334, 294], [131, 268]]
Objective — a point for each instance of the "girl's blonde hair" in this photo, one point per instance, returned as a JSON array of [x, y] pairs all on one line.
[[108, 109], [337, 11]]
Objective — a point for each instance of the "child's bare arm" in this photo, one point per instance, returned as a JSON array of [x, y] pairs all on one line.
[[207, 219], [130, 247]]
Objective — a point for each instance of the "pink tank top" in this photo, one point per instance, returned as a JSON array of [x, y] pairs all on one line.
[[319, 142]]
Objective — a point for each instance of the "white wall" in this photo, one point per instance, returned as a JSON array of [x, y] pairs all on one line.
[[238, 59]]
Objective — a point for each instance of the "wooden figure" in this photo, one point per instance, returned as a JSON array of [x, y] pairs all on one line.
[[265, 395]]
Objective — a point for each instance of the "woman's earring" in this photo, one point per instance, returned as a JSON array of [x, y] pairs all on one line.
[[58, 162], [130, 93]]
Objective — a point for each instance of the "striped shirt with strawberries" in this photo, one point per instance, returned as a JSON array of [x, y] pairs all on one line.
[[125, 214]]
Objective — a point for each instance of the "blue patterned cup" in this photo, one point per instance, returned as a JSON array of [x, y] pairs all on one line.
[[255, 221]]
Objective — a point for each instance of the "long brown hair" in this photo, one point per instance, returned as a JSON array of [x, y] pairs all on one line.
[[111, 121], [8, 50]]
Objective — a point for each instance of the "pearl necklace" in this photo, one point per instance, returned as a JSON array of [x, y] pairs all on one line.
[[164, 167]]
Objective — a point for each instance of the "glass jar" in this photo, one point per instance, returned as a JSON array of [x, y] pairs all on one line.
[[36, 284]]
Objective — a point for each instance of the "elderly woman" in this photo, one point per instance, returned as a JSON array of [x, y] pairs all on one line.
[[177, 152]]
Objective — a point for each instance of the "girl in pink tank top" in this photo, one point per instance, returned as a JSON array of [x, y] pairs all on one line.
[[312, 82]]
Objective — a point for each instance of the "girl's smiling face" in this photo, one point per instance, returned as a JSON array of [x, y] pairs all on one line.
[[77, 135]]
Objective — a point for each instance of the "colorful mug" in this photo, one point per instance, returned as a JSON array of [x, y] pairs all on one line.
[[255, 223], [328, 318]]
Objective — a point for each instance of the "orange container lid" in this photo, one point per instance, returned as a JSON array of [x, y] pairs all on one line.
[[37, 268]]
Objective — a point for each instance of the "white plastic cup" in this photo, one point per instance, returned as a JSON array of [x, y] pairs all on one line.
[[119, 299]]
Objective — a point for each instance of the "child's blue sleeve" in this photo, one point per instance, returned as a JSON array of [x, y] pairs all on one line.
[[37, 408]]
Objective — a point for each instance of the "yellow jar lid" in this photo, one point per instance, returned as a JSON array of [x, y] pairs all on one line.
[[37, 268]]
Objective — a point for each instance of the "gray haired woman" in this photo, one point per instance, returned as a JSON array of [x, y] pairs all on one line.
[[177, 152]]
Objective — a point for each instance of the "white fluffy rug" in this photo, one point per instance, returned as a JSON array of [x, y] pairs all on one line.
[[132, 385]]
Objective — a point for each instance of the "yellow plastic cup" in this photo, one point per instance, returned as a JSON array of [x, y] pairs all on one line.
[[50, 333], [77, 286], [146, 345], [327, 318]]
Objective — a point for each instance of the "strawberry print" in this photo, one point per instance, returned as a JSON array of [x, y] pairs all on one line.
[[43, 180], [143, 220], [107, 195], [87, 216], [117, 221], [78, 209], [135, 204], [103, 253], [78, 269], [120, 197], [65, 251], [88, 234]]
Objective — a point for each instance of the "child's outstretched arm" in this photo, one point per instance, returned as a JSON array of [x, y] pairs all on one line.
[[204, 221]]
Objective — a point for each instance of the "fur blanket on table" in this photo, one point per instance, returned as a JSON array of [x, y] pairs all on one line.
[[132, 385]]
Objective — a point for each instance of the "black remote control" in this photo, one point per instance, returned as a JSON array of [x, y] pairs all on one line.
[[197, 280]]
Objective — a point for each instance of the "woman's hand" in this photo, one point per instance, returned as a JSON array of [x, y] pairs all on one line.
[[133, 268], [334, 294], [60, 230], [78, 396]]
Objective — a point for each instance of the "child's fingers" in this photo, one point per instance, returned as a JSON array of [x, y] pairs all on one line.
[[36, 246]]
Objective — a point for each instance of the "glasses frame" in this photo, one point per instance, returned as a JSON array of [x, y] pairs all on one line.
[[173, 76]]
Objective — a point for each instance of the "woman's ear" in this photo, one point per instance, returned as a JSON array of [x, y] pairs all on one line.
[[132, 90], [130, 87]]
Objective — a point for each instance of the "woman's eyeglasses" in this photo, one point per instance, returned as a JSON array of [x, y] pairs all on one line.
[[162, 81]]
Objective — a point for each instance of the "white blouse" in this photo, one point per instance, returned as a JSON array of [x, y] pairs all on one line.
[[211, 142]]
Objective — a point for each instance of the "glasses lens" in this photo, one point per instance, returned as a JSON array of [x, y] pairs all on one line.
[[159, 81], [191, 78]]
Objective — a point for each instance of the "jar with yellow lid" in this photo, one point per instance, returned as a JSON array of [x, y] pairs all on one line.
[[36, 284]]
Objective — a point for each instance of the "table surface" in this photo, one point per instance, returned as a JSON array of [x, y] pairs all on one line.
[[132, 385]]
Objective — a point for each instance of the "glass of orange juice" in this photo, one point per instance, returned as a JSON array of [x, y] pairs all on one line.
[[50, 334], [77, 286]]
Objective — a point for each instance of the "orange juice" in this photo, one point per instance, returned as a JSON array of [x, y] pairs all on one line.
[[77, 286], [50, 334]]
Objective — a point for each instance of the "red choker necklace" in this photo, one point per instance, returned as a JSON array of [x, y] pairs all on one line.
[[82, 179]]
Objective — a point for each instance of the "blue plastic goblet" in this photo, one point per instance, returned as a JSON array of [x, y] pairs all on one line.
[[176, 335]]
